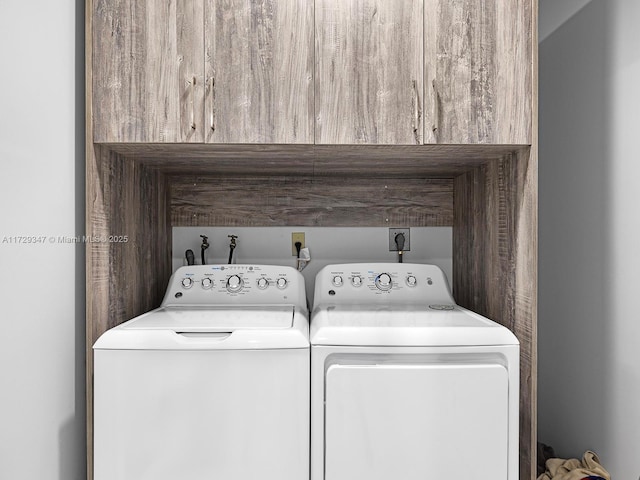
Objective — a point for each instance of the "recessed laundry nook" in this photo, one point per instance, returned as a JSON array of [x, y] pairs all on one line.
[[214, 125], [480, 198]]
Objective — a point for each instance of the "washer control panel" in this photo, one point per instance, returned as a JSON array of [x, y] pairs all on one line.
[[224, 284], [382, 282]]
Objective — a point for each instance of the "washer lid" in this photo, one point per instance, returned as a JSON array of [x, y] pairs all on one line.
[[213, 319], [211, 328], [405, 325]]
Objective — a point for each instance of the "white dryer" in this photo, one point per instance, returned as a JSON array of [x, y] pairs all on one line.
[[405, 384], [213, 384]]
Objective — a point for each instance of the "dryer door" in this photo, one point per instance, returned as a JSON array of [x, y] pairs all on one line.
[[415, 422]]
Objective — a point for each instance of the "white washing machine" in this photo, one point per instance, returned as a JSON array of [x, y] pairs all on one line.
[[213, 384], [405, 384]]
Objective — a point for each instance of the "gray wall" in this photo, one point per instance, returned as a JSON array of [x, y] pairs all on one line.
[[589, 367], [553, 13], [42, 284]]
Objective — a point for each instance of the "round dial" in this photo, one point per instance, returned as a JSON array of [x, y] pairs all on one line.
[[337, 280], [411, 281], [263, 283], [281, 283], [187, 282], [234, 283], [356, 280], [383, 282], [207, 283]]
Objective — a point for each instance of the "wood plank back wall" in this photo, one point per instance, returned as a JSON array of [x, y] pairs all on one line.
[[311, 201]]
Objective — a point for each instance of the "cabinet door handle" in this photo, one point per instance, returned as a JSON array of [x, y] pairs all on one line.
[[436, 109], [417, 112], [212, 123], [193, 103]]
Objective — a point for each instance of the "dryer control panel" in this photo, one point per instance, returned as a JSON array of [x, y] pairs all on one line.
[[231, 284], [389, 283]]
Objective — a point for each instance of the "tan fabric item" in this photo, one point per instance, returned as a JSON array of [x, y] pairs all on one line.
[[574, 469]]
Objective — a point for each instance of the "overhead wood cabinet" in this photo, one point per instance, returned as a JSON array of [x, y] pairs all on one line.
[[368, 75], [370, 87], [240, 71], [147, 71], [219, 71], [259, 71], [478, 71]]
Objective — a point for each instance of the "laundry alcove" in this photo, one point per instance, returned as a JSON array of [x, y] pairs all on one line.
[[486, 193]]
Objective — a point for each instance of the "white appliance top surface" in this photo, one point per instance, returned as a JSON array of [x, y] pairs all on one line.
[[405, 326], [211, 319], [412, 306], [211, 328], [402, 316]]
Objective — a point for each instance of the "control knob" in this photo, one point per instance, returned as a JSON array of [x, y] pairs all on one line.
[[337, 281], [263, 283], [234, 284], [187, 282], [281, 283], [383, 282], [411, 281], [207, 283], [356, 280]]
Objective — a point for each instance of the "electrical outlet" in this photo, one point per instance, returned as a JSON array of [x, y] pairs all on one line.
[[296, 237], [392, 239]]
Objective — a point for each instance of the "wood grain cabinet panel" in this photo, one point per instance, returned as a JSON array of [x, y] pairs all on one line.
[[219, 71], [369, 71], [478, 71], [148, 81], [259, 69]]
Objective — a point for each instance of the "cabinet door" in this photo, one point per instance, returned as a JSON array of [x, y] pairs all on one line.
[[478, 71], [259, 70], [148, 71], [369, 71]]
